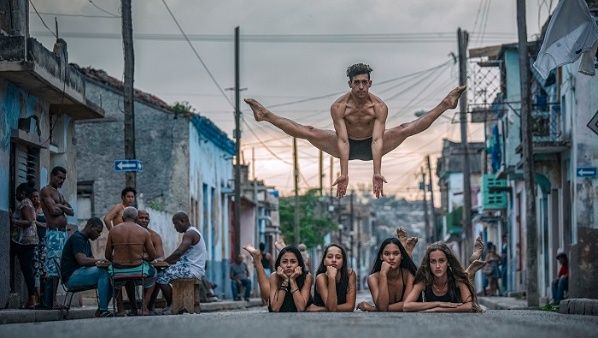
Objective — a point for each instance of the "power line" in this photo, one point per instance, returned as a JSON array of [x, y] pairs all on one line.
[[103, 10], [282, 38], [197, 55], [42, 20], [79, 15]]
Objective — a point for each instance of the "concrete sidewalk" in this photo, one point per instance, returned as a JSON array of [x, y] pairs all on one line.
[[9, 316], [503, 303]]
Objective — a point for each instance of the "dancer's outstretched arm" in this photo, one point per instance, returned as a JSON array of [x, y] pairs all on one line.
[[381, 111], [337, 111]]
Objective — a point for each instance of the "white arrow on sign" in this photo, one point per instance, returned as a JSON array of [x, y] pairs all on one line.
[[122, 165], [584, 172]]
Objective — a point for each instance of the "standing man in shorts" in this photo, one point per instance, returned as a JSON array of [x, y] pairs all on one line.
[[55, 208]]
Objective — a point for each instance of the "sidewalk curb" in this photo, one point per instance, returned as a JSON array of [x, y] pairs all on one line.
[[495, 303], [14, 316], [579, 306]]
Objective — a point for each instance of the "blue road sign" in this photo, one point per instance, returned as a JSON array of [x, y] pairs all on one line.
[[586, 172], [127, 165]]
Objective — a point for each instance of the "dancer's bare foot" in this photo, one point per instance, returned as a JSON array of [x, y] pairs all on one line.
[[280, 244], [474, 267], [411, 243], [260, 113], [402, 235], [478, 249], [451, 100], [255, 253], [366, 307]]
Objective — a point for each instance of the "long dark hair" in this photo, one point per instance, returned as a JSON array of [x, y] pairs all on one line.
[[406, 261], [455, 272], [344, 271], [292, 249]]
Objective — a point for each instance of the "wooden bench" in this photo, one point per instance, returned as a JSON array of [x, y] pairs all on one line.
[[185, 296]]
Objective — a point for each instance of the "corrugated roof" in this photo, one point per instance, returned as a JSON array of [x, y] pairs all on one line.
[[100, 76]]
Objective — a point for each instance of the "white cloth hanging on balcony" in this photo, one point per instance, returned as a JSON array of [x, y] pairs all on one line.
[[572, 31]]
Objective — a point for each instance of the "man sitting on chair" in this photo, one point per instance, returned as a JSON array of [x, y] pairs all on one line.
[[78, 268], [187, 261], [127, 245]]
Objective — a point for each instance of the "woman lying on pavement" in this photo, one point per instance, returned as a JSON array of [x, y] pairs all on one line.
[[290, 285], [391, 278], [442, 283], [335, 288]]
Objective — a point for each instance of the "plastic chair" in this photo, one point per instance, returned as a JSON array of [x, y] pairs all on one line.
[[70, 293]]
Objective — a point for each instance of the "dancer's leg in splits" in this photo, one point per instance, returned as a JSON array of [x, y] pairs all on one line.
[[262, 279], [359, 119]]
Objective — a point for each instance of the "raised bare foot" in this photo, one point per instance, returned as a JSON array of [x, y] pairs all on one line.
[[255, 253], [402, 235], [452, 98], [474, 267], [411, 243], [366, 307], [478, 249], [259, 112], [280, 244]]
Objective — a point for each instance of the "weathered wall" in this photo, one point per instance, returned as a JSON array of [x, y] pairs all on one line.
[[161, 144], [210, 170], [17, 103]]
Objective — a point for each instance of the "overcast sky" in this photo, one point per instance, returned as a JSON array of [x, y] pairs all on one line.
[[281, 69]]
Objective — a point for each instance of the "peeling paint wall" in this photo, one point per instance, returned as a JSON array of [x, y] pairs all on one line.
[[210, 170], [16, 103]]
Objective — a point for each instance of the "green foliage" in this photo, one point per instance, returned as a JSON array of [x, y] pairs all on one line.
[[183, 107], [314, 222]]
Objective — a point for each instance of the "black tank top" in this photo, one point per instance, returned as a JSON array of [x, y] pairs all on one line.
[[451, 297], [341, 294], [288, 305]]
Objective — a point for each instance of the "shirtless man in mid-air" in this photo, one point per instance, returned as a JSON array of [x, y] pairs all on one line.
[[359, 119]]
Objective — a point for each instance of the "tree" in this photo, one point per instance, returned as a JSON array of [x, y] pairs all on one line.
[[314, 224]]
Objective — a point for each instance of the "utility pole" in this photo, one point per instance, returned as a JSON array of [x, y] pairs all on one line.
[[463, 39], [358, 265], [238, 149], [533, 298], [433, 213], [351, 223], [128, 95], [331, 177], [321, 173], [296, 179], [426, 218]]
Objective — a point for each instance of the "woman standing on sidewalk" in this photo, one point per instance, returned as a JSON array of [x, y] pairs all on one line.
[[24, 238], [335, 287], [39, 256], [442, 283], [391, 278]]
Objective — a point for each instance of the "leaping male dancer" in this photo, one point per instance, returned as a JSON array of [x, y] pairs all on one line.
[[359, 119]]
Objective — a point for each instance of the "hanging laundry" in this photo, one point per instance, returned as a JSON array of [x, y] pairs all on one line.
[[572, 31]]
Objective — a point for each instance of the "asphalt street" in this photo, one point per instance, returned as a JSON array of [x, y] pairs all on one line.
[[259, 323]]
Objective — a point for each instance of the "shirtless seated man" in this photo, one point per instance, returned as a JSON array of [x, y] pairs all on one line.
[[129, 247], [359, 119]]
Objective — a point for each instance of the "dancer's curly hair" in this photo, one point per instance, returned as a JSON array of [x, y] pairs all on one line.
[[358, 68], [455, 273]]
